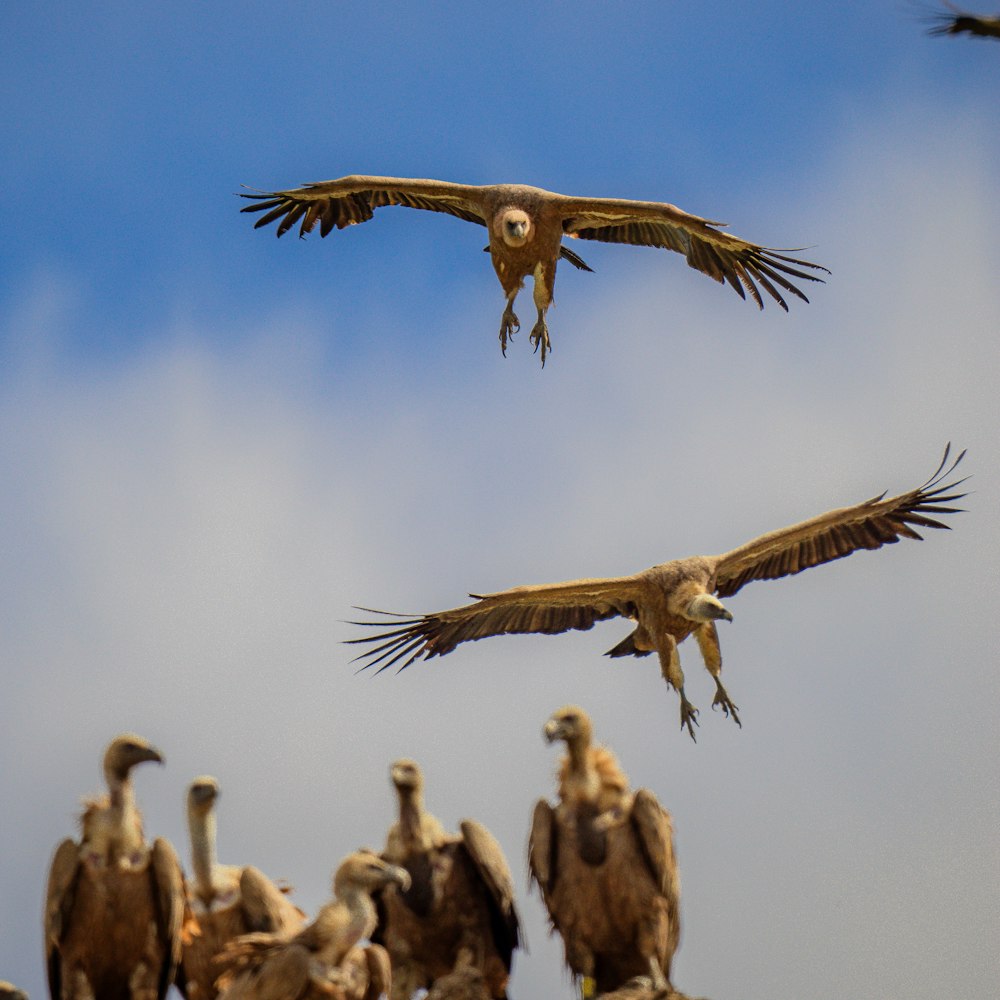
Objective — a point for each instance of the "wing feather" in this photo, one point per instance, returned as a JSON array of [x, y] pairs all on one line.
[[722, 256], [838, 533], [545, 608], [348, 201], [542, 846], [169, 897], [488, 857]]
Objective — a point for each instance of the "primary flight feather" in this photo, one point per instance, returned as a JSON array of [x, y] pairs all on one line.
[[672, 600], [526, 226]]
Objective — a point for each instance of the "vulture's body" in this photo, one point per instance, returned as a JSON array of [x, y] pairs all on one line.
[[526, 226], [604, 861], [114, 904], [226, 901], [672, 600], [326, 958], [459, 909]]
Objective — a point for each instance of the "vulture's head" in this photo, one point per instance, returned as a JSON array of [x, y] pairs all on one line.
[[570, 724], [515, 227], [708, 608], [365, 871], [202, 793], [406, 775], [125, 751]]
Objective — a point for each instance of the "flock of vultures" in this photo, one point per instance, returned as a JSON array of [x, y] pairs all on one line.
[[433, 910]]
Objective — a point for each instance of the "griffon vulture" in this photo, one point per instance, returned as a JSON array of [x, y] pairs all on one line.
[[114, 904], [670, 601], [8, 991], [324, 959], [225, 900], [604, 861], [959, 22], [526, 226], [458, 912]]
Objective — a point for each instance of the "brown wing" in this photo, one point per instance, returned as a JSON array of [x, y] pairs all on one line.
[[350, 200], [488, 857], [546, 608], [169, 897], [656, 835], [838, 533], [721, 256], [265, 907], [59, 894], [542, 849], [962, 22], [379, 972]]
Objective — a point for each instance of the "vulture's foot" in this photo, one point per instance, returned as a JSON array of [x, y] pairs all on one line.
[[723, 700], [540, 338], [689, 716], [509, 325]]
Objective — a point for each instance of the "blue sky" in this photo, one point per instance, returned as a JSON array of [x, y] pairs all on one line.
[[216, 443]]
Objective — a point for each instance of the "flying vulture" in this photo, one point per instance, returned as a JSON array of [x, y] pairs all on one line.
[[603, 859], [959, 22], [670, 601], [114, 904], [324, 959], [526, 226], [458, 912], [225, 900]]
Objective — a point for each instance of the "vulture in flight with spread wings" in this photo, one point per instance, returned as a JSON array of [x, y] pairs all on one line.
[[225, 900], [526, 226], [959, 22], [114, 904], [326, 959], [670, 601], [457, 918], [603, 858]]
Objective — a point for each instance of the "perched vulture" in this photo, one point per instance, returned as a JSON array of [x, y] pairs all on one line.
[[8, 991], [959, 22], [458, 912], [526, 226], [604, 861], [225, 900], [324, 959], [670, 601], [114, 904]]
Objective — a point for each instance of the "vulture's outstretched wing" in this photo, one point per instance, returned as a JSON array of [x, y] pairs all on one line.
[[488, 857], [960, 22], [838, 533], [350, 200], [548, 608], [59, 895], [169, 897], [720, 255]]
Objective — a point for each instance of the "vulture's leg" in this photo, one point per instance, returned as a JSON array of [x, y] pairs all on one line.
[[708, 643], [543, 299], [670, 667], [509, 323]]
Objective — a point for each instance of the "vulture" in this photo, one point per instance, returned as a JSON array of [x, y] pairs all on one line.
[[457, 919], [959, 22], [114, 906], [325, 958], [526, 226], [603, 858], [670, 601], [225, 900], [8, 991]]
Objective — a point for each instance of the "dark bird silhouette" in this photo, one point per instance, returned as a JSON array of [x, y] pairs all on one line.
[[114, 905], [603, 858], [670, 601], [960, 22], [526, 226]]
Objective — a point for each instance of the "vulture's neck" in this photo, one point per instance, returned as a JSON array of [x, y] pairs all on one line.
[[411, 816], [343, 923], [203, 858], [123, 815], [581, 784]]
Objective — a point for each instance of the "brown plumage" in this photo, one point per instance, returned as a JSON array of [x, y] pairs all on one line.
[[526, 226], [8, 991], [114, 904], [670, 601], [960, 22], [458, 912], [604, 860], [325, 959], [225, 900]]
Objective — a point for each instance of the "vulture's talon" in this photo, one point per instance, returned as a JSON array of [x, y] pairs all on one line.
[[509, 325], [723, 701], [540, 338], [689, 717]]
